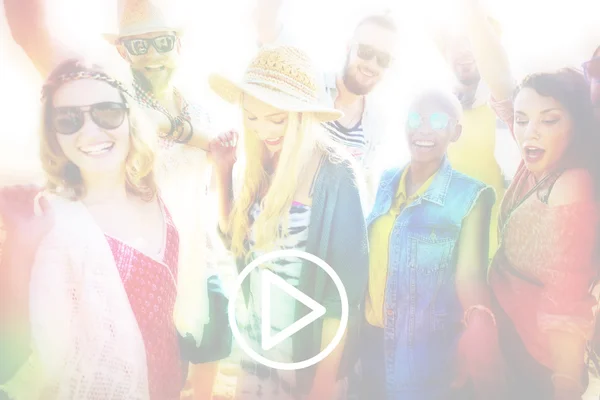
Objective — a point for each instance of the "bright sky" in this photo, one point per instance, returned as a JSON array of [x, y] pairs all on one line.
[[538, 34]]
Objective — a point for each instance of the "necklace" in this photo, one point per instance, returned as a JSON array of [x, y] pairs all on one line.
[[147, 99], [534, 189]]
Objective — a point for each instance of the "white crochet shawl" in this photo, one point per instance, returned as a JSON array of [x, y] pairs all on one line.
[[86, 343]]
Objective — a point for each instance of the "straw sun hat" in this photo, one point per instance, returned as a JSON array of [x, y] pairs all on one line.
[[281, 76], [137, 17]]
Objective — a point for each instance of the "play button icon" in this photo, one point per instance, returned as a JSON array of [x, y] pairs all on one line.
[[270, 281]]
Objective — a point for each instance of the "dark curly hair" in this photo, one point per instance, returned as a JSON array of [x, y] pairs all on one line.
[[569, 87]]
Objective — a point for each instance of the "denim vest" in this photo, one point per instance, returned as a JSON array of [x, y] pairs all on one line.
[[422, 312]]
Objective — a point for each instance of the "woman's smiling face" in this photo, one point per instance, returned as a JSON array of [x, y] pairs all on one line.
[[268, 123]]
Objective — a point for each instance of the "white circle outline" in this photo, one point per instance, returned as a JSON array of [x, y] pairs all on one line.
[[300, 364]]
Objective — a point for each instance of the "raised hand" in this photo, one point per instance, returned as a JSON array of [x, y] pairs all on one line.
[[22, 228], [223, 150], [19, 214]]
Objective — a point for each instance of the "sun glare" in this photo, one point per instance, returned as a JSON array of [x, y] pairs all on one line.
[[538, 35]]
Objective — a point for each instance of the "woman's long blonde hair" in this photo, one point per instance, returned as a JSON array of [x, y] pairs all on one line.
[[64, 177], [304, 136]]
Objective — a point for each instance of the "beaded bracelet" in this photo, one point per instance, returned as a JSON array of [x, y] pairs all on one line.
[[479, 307]]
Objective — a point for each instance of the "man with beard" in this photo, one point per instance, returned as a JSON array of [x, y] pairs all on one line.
[[474, 153], [150, 43], [369, 55], [153, 56]]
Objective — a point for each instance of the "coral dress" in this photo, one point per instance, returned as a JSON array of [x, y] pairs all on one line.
[[150, 286]]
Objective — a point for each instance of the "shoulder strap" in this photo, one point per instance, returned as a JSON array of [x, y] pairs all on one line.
[[530, 192], [545, 198]]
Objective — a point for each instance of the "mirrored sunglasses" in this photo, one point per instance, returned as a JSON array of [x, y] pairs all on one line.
[[437, 121], [139, 47]]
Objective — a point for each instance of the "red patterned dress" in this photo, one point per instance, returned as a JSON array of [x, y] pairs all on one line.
[[150, 287]]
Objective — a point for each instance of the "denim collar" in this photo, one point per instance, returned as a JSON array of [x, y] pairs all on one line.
[[437, 191]]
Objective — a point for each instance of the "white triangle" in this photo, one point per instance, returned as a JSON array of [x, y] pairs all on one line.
[[269, 278]]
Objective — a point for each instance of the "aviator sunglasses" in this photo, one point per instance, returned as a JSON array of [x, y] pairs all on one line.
[[437, 121], [591, 70], [366, 52], [139, 47], [69, 120]]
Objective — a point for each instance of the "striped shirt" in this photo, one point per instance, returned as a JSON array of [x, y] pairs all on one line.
[[353, 139], [289, 269]]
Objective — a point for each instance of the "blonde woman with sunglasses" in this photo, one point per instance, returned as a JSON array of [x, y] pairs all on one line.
[[103, 302]]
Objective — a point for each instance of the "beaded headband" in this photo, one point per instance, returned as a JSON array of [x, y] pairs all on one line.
[[54, 82], [139, 95]]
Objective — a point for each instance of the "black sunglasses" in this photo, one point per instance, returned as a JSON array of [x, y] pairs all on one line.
[[139, 47], [591, 70], [68, 120], [366, 52]]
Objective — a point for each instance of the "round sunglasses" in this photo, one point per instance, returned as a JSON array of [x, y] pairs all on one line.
[[139, 47], [69, 120], [437, 121]]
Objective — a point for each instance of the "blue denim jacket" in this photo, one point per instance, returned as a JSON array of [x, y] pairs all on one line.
[[421, 309]]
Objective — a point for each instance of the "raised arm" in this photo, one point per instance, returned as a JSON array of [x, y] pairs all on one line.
[[27, 22], [267, 21], [490, 55]]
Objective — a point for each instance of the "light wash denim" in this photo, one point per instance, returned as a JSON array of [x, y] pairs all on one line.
[[422, 312]]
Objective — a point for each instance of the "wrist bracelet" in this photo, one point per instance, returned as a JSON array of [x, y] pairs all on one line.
[[479, 307], [180, 129], [189, 135], [169, 135]]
